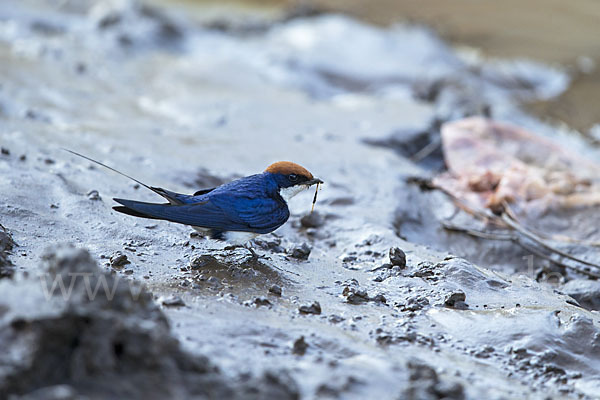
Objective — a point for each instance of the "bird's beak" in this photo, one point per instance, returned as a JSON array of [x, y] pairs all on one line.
[[313, 181]]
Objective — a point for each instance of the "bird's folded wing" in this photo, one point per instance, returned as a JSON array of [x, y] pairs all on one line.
[[261, 215]]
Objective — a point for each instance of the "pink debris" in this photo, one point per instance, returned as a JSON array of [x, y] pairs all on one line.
[[491, 162]]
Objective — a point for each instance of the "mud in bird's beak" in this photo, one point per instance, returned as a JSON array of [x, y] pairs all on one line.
[[313, 181]]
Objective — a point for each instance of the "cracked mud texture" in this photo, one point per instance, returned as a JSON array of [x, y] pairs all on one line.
[[176, 104]]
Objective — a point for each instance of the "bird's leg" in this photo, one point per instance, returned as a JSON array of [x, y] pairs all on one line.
[[251, 250]]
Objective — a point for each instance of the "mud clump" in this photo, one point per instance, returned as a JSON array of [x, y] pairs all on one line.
[[301, 252], [172, 301], [314, 308], [275, 290], [426, 384], [262, 301], [118, 260], [427, 271], [397, 257], [456, 300], [414, 303], [300, 346], [358, 296], [6, 245], [111, 343]]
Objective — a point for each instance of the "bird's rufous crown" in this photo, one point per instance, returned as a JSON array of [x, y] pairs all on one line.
[[288, 167]]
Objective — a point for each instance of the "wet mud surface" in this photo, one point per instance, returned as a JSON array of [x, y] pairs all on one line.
[[368, 297], [81, 345]]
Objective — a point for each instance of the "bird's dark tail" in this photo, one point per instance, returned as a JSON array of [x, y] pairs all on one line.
[[129, 211], [195, 214]]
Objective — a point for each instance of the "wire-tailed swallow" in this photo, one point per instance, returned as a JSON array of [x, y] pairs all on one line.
[[236, 212]]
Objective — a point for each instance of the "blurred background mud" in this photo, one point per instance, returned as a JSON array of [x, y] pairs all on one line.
[[550, 31]]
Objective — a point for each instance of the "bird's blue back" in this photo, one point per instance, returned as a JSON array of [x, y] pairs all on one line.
[[258, 185]]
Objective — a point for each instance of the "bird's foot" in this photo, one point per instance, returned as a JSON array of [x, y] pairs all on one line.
[[254, 257]]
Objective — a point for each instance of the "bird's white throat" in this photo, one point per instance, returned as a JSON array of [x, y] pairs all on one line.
[[289, 192]]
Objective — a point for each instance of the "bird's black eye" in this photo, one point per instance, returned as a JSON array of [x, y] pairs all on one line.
[[293, 177]]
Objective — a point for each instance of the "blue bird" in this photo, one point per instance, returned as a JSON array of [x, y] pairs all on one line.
[[235, 212]]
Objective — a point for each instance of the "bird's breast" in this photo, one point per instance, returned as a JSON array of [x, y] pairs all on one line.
[[289, 192], [239, 238]]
